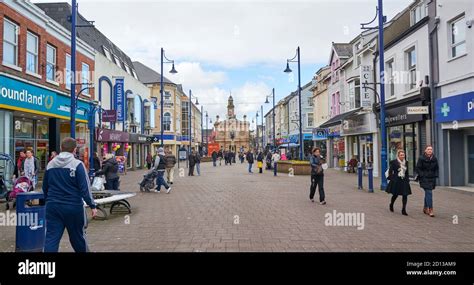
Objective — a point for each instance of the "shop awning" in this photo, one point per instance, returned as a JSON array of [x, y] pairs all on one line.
[[339, 118], [289, 145]]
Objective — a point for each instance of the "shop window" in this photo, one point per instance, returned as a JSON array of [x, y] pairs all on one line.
[[42, 130], [395, 138], [23, 128], [10, 42]]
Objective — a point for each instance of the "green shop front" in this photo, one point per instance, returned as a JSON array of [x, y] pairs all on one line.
[[36, 118]]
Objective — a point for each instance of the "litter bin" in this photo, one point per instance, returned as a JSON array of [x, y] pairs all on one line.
[[31, 222]]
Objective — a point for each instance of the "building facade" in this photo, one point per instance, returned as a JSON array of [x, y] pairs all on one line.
[[453, 88], [112, 67], [232, 134], [34, 83]]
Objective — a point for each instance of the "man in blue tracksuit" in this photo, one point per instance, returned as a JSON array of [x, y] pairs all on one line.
[[66, 186]]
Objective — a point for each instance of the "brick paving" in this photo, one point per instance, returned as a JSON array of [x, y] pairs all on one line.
[[228, 210]]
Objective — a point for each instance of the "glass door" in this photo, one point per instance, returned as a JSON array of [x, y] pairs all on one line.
[[470, 160]]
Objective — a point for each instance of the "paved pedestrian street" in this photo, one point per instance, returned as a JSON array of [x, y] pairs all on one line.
[[229, 210]]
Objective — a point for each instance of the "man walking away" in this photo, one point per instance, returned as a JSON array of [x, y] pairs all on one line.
[[275, 159], [170, 160], [65, 187], [220, 156], [250, 160], [197, 157], [192, 163], [317, 176], [160, 166]]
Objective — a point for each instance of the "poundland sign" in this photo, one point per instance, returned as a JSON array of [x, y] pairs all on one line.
[[20, 96]]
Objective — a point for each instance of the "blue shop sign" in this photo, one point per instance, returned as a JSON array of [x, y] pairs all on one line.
[[157, 138], [455, 108], [295, 138], [20, 96], [320, 134]]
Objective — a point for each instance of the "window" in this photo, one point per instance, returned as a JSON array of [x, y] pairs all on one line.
[[167, 96], [117, 61], [354, 94], [32, 53], [107, 53], [167, 121], [50, 63], [310, 102], [85, 77], [390, 77], [358, 56], [134, 74], [127, 69], [418, 13], [458, 37], [68, 72], [310, 122], [411, 66], [10, 43]]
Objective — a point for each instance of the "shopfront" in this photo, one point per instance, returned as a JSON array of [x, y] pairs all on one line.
[[115, 142], [359, 131], [320, 138], [455, 115], [139, 147], [405, 131], [36, 119], [294, 145]]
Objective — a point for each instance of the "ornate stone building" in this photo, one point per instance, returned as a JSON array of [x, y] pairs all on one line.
[[232, 133]]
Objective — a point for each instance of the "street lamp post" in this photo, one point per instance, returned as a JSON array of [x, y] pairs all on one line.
[[202, 130], [273, 117], [207, 134], [263, 131], [190, 119], [172, 71], [383, 151], [256, 131], [288, 70]]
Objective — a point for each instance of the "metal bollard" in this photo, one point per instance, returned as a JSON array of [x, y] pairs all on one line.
[[371, 178], [359, 174]]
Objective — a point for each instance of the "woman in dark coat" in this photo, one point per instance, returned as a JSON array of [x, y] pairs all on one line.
[[97, 164], [110, 170], [427, 169], [399, 180]]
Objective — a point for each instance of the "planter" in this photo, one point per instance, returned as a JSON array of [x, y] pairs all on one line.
[[206, 159], [298, 167]]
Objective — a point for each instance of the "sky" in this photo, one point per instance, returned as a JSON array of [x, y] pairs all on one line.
[[224, 47]]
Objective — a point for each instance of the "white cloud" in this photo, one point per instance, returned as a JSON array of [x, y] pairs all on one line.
[[234, 33], [191, 74]]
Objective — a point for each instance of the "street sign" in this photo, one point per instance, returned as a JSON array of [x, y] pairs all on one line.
[[417, 110], [109, 116]]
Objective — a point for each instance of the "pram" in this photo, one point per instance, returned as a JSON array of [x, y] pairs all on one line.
[[22, 184], [148, 181]]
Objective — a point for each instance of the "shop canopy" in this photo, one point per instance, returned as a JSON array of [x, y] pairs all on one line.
[[289, 145], [336, 120]]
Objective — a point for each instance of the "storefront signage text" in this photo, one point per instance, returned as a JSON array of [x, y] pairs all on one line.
[[21, 96], [455, 108], [119, 99]]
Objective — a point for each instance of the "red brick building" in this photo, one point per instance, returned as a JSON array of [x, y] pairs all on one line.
[[35, 70]]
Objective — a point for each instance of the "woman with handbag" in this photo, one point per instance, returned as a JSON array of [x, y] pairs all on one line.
[[427, 169], [399, 181], [317, 176]]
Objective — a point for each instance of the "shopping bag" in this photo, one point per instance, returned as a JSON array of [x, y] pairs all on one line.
[[259, 164], [98, 183]]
